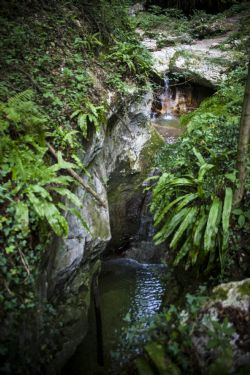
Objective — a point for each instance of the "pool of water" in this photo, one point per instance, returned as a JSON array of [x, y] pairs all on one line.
[[129, 292], [168, 126]]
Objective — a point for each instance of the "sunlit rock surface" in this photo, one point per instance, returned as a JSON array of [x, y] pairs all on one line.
[[202, 61]]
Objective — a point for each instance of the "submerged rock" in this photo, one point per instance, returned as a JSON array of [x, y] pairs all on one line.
[[228, 343]]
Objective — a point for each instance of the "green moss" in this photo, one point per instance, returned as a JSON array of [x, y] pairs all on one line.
[[214, 105], [151, 148], [219, 61], [187, 55], [99, 226], [219, 294], [244, 289]]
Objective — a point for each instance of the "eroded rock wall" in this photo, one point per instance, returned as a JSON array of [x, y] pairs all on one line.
[[123, 147]]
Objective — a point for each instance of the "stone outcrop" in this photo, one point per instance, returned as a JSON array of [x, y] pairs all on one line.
[[201, 61], [230, 303], [124, 149]]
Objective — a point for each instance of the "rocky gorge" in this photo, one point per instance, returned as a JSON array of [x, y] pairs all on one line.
[[110, 125], [121, 158], [123, 151]]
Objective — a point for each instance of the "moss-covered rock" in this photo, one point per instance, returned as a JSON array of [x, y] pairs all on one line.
[[199, 66], [229, 305]]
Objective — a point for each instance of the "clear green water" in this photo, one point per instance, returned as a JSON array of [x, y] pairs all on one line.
[[168, 120], [129, 291]]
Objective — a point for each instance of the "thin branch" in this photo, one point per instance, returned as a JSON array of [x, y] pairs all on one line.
[[24, 261], [8, 289], [78, 178]]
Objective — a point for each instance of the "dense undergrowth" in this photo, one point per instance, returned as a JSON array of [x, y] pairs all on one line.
[[59, 63], [181, 27], [193, 210], [198, 180], [193, 199]]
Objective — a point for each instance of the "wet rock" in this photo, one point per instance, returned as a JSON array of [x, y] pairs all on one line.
[[230, 301], [125, 190]]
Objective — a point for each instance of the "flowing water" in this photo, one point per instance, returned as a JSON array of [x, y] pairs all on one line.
[[176, 100], [129, 291]]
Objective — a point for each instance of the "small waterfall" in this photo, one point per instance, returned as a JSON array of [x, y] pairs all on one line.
[[167, 102], [175, 100]]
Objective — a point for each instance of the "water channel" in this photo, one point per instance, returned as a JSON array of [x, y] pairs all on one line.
[[129, 291]]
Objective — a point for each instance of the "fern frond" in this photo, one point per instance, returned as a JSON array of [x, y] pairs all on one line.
[[21, 97]]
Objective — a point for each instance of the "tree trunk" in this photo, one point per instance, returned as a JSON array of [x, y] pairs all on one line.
[[242, 156]]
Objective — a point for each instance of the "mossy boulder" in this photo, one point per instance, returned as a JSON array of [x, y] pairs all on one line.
[[202, 68], [222, 337]]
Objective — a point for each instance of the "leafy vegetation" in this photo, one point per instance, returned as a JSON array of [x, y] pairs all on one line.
[[30, 203], [192, 200], [183, 28], [59, 62], [165, 341], [196, 222]]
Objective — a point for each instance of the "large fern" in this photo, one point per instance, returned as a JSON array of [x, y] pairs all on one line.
[[35, 186], [195, 223]]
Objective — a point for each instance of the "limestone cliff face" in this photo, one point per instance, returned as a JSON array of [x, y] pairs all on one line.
[[124, 148]]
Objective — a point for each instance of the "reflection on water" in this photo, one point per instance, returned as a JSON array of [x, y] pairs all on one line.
[[147, 294], [129, 291]]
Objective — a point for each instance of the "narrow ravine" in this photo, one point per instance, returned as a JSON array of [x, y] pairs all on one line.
[[124, 187], [132, 284]]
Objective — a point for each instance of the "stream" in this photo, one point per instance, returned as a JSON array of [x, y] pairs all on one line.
[[129, 291]]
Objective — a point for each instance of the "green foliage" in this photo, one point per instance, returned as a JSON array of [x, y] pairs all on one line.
[[203, 25], [91, 114], [199, 25], [156, 18], [33, 198], [91, 42], [164, 344], [23, 167], [131, 55], [193, 209], [64, 56], [110, 19], [196, 221]]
